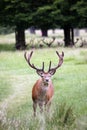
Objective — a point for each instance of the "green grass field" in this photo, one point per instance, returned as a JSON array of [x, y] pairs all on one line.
[[69, 107]]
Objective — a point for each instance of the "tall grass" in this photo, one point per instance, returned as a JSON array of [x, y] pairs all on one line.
[[69, 105]]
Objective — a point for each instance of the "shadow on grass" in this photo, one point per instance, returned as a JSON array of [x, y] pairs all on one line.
[[7, 47]]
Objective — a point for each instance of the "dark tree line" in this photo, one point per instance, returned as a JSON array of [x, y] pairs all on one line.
[[42, 14]]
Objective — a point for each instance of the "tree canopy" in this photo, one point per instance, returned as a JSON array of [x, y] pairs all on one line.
[[81, 9], [62, 14], [16, 13], [44, 15]]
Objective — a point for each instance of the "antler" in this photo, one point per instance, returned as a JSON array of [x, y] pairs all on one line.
[[32, 65], [60, 62], [50, 43]]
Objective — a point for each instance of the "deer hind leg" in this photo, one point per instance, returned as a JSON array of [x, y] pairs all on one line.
[[34, 107]]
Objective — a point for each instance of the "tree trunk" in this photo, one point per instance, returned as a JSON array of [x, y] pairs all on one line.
[[44, 32], [20, 39], [67, 36], [72, 36]]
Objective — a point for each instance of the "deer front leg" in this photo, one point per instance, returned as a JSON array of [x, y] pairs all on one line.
[[41, 106], [48, 105], [34, 107]]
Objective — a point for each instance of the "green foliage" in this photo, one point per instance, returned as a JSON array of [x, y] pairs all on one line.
[[16, 13], [44, 15], [47, 14], [81, 9], [65, 14]]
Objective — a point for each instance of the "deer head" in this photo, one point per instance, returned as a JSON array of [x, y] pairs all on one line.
[[51, 71]]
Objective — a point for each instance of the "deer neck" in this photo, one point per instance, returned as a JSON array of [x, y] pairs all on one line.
[[43, 88], [44, 84]]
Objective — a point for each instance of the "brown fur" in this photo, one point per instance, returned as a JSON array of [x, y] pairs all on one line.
[[42, 94]]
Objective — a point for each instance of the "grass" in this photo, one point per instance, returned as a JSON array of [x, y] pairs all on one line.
[[69, 107]]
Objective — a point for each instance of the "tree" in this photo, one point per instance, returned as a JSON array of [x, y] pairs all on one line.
[[60, 13], [44, 15], [41, 16], [70, 14], [66, 18], [20, 14], [54, 14], [16, 13]]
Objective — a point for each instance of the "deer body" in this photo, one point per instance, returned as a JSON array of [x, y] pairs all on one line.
[[43, 89], [42, 94]]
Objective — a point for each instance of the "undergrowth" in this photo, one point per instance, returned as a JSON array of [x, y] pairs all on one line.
[[60, 117]]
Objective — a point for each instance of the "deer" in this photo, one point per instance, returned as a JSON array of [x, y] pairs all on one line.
[[50, 43], [43, 89]]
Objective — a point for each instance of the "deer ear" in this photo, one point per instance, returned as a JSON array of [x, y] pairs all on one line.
[[52, 72], [39, 72]]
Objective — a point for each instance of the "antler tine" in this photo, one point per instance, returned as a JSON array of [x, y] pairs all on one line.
[[32, 65], [60, 56], [43, 66], [60, 61], [28, 59], [49, 66], [25, 56]]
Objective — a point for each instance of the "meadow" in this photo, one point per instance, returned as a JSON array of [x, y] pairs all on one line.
[[69, 105]]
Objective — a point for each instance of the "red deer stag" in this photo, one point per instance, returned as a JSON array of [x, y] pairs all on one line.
[[43, 89]]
